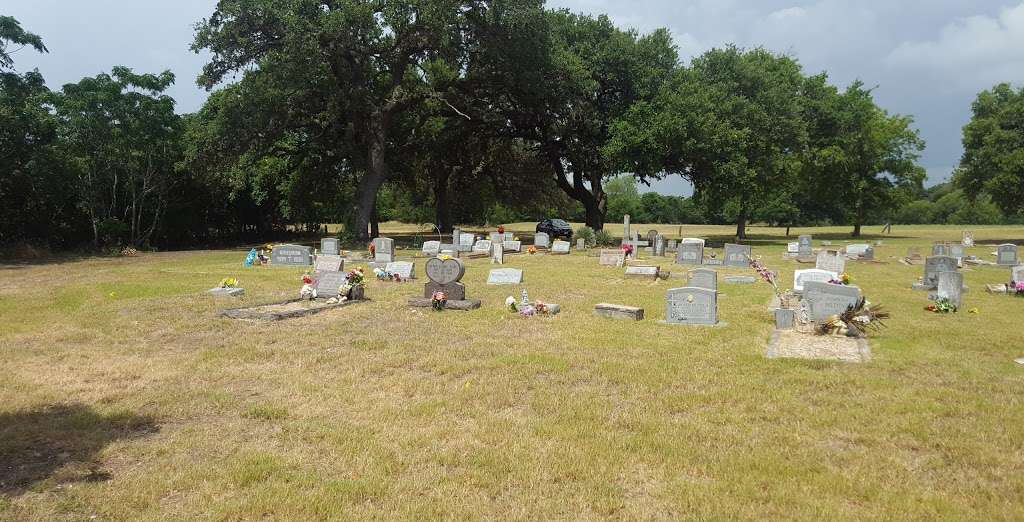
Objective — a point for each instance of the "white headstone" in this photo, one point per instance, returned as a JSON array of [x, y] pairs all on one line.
[[505, 276], [802, 277]]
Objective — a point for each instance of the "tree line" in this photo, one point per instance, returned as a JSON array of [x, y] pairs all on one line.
[[463, 111]]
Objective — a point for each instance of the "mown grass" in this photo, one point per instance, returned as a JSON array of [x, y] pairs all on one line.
[[148, 406]]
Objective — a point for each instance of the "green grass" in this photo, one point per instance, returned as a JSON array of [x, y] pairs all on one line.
[[144, 405]]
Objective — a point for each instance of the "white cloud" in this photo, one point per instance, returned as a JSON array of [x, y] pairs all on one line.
[[970, 53]]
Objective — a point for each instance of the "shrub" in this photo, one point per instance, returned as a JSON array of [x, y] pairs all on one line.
[[603, 238], [586, 234]]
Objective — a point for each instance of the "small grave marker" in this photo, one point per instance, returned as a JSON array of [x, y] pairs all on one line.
[[704, 278], [560, 247], [330, 246], [404, 269], [805, 247], [650, 272], [612, 257], [505, 276]]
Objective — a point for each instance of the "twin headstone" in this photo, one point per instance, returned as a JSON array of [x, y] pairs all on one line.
[[291, 255], [431, 248], [612, 257], [404, 269], [824, 300], [737, 255], [691, 306]]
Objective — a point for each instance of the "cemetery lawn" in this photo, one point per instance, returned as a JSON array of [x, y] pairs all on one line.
[[124, 396]]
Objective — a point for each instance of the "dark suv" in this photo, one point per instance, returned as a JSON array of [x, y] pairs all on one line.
[[555, 228]]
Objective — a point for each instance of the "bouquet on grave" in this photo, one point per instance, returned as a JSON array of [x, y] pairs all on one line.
[[228, 282], [384, 275], [372, 249], [1016, 288], [767, 275], [942, 306], [438, 301], [843, 280], [531, 250], [856, 321], [501, 229], [627, 249], [308, 290]]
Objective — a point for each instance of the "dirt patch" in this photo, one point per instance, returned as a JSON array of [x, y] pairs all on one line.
[[789, 344]]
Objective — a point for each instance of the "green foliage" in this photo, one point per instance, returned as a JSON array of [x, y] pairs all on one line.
[[586, 234], [993, 161], [603, 238], [11, 33]]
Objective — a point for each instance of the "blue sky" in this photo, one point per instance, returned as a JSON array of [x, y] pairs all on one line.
[[929, 58]]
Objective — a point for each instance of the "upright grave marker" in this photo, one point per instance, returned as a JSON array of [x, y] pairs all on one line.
[[560, 247], [466, 242], [691, 306], [737, 255], [291, 255], [330, 246], [940, 249], [950, 285], [704, 278], [1017, 274], [933, 265], [383, 250], [1006, 255], [581, 244], [431, 248], [482, 247], [659, 245], [404, 269], [329, 263], [802, 277], [968, 239], [832, 261], [542, 240], [804, 246], [513, 246], [612, 257], [824, 300], [498, 253], [625, 229]]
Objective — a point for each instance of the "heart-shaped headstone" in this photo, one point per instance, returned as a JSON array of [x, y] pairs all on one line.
[[445, 271]]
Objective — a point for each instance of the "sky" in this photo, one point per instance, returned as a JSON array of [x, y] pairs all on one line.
[[926, 58]]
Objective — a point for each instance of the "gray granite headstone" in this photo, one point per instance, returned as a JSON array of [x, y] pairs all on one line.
[[612, 257], [330, 246], [933, 265], [542, 240], [581, 244], [404, 269], [625, 229], [383, 249], [326, 263], [940, 249], [824, 300], [456, 235], [431, 248], [737, 255], [659, 245], [498, 253], [291, 255], [692, 305], [804, 246], [1006, 254], [950, 286], [832, 261], [513, 246], [505, 276], [482, 247], [466, 242], [704, 278], [445, 271], [328, 282], [1017, 274], [690, 254], [497, 237]]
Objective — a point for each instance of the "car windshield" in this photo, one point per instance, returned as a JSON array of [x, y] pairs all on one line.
[[559, 223]]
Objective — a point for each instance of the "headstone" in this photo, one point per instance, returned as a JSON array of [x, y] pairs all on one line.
[[652, 236], [328, 283], [509, 236], [497, 237], [737, 255], [1006, 254], [968, 239], [793, 248], [740, 280], [832, 261], [806, 249], [933, 265], [466, 242], [404, 269], [444, 275], [802, 277], [482, 247], [456, 235], [383, 249], [940, 249], [1017, 274], [869, 253], [704, 278], [581, 244], [330, 246], [785, 319], [625, 229], [291, 255], [615, 311], [448, 250], [226, 292], [560, 247], [950, 285], [431, 248], [542, 240], [513, 246], [692, 305], [326, 263], [498, 253], [696, 240], [857, 249], [659, 245], [650, 272], [957, 251], [505, 276], [612, 257], [672, 245], [824, 300]]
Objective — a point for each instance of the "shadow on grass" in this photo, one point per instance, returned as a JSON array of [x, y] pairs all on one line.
[[60, 442]]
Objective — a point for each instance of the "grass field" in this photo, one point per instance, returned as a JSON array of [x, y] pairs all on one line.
[[123, 396]]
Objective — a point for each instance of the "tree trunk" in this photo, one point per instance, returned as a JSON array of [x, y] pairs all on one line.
[[594, 201], [787, 230], [443, 211], [856, 230], [858, 218], [374, 221], [594, 214], [741, 224], [376, 173]]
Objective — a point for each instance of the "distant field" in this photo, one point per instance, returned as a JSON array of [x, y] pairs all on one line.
[[123, 396]]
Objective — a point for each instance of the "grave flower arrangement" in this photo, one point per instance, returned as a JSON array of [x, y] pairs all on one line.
[[384, 275], [501, 229], [767, 275], [438, 301], [228, 282], [531, 250], [628, 250], [371, 249], [1017, 288], [941, 306], [856, 321], [843, 280], [308, 291]]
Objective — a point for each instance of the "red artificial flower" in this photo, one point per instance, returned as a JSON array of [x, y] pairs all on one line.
[[307, 280]]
